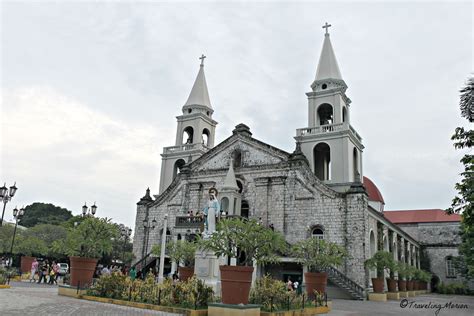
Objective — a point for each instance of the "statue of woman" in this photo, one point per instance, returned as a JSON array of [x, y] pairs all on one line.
[[211, 211]]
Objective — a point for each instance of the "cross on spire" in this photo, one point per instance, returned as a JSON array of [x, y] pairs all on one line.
[[326, 26], [202, 59]]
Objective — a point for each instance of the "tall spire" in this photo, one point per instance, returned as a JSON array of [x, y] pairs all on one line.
[[199, 94], [230, 182], [327, 66]]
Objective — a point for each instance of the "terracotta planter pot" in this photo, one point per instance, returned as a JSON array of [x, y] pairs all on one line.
[[236, 282], [410, 285], [26, 262], [392, 285], [315, 282], [185, 273], [378, 284], [82, 270], [402, 285]]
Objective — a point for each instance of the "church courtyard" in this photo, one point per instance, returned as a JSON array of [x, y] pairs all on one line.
[[28, 299]]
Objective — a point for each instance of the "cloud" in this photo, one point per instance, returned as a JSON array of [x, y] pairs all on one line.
[[69, 151]]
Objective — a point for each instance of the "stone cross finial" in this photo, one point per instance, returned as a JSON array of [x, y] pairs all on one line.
[[202, 59], [326, 26]]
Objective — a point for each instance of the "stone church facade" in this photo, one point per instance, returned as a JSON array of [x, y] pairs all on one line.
[[317, 190]]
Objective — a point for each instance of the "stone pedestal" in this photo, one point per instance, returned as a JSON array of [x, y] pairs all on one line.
[[206, 268], [393, 296], [403, 294], [378, 297]]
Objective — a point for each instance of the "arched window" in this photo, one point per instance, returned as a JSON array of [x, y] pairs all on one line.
[[450, 268], [355, 158], [322, 161], [188, 135], [237, 158], [177, 167], [225, 204], [344, 114], [317, 232], [205, 137], [244, 209], [325, 114]]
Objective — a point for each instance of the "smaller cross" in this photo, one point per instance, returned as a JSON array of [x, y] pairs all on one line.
[[202, 59], [326, 26]]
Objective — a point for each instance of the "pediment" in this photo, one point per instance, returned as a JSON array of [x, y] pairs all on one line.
[[253, 153]]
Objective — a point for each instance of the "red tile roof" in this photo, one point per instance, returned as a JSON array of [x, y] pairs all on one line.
[[372, 191], [421, 216]]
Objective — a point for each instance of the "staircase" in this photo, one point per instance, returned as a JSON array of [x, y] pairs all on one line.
[[143, 264], [356, 291]]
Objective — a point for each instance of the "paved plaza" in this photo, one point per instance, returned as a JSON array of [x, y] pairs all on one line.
[[41, 299]]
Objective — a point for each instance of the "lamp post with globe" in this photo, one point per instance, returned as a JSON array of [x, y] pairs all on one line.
[[17, 214], [6, 195]]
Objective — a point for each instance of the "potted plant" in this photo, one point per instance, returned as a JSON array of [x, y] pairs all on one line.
[[391, 281], [410, 276], [84, 245], [402, 276], [247, 241], [381, 261], [181, 251], [317, 255]]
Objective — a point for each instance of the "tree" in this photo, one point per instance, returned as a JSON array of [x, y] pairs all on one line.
[[463, 202], [42, 213], [6, 234], [93, 238], [39, 240]]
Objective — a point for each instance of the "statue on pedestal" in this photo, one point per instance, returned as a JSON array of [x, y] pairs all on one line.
[[211, 211]]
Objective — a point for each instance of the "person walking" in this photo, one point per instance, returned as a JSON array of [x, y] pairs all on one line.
[[53, 270], [43, 271], [34, 268]]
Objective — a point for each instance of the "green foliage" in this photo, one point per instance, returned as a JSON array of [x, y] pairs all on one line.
[[454, 288], [38, 240], [42, 213], [318, 254], [273, 295], [234, 236], [189, 294], [6, 273], [6, 234], [381, 261], [92, 238], [178, 251], [463, 202], [403, 270]]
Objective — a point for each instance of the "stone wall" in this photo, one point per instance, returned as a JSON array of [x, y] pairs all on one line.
[[437, 257]]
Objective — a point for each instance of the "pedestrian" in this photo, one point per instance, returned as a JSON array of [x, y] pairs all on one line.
[[34, 268], [295, 286], [289, 285], [133, 273], [44, 271], [53, 273]]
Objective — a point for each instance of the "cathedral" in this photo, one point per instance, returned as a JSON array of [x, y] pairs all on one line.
[[319, 188]]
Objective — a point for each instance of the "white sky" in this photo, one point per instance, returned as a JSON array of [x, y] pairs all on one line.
[[90, 90]]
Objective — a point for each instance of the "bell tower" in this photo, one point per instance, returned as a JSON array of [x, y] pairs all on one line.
[[195, 132], [331, 145]]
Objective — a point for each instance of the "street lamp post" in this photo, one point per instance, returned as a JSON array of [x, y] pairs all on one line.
[[6, 195], [86, 211], [126, 233], [17, 215], [147, 226]]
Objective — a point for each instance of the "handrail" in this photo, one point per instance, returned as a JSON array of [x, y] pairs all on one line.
[[346, 280]]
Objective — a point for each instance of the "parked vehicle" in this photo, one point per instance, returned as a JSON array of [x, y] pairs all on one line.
[[63, 269]]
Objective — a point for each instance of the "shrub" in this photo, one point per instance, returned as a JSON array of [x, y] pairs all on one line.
[[273, 295], [318, 254], [382, 260], [192, 293]]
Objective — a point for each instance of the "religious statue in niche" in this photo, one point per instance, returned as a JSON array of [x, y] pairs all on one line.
[[211, 211]]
